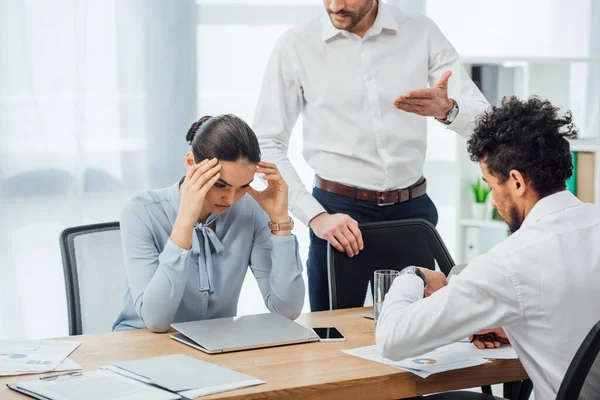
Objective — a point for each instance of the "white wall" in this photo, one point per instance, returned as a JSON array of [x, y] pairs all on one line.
[[542, 28]]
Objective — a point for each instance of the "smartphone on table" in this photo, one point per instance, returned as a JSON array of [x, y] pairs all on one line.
[[329, 334]]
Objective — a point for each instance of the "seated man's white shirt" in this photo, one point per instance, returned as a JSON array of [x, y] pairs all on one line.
[[542, 285]]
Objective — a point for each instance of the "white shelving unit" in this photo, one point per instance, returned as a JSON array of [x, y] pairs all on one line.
[[487, 224], [563, 81]]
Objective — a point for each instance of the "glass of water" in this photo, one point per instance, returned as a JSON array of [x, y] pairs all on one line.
[[383, 282]]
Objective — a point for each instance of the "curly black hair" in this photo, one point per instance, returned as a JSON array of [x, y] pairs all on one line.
[[527, 136]]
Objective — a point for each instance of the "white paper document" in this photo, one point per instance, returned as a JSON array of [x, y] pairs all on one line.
[[96, 385], [467, 349], [370, 353], [67, 365], [193, 393], [439, 363], [185, 375], [34, 356], [422, 366]]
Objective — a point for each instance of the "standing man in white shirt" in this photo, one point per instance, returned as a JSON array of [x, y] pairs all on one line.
[[357, 73], [540, 285]]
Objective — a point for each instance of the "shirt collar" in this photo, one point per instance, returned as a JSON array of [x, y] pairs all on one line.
[[550, 205], [327, 29], [384, 20]]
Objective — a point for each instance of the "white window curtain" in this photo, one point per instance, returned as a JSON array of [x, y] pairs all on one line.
[[95, 100]]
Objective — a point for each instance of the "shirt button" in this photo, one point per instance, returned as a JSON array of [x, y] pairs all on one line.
[[184, 253], [206, 295]]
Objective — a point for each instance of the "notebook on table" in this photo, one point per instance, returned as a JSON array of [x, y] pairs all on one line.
[[246, 332]]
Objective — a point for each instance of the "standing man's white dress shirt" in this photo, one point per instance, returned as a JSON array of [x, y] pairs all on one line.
[[347, 83], [345, 86], [541, 285]]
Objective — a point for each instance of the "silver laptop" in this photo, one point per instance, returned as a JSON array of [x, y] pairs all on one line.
[[223, 335], [457, 269]]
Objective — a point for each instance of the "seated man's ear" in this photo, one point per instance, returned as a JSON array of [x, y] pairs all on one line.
[[517, 179]]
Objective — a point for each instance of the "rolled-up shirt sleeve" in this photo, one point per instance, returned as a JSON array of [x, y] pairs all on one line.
[[279, 104], [483, 296], [471, 102], [156, 279], [276, 265]]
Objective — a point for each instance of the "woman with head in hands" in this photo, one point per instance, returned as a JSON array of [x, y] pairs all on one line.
[[187, 247]]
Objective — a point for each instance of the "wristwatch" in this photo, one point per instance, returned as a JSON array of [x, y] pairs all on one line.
[[414, 271], [281, 226], [451, 116]]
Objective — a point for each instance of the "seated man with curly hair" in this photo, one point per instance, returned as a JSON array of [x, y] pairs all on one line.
[[539, 287]]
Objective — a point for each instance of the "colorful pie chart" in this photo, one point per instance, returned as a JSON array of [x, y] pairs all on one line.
[[424, 361]]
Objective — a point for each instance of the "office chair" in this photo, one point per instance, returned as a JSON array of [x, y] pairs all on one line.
[[582, 380], [94, 271], [388, 245]]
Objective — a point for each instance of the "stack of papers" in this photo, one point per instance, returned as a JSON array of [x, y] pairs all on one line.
[[446, 358], [159, 378], [19, 357], [184, 375], [96, 385]]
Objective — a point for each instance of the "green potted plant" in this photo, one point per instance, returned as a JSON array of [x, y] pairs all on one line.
[[495, 215], [481, 192]]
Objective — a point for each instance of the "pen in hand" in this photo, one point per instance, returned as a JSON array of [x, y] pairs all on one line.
[[488, 340]]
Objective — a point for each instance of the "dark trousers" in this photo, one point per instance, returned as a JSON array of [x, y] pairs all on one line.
[[361, 211]]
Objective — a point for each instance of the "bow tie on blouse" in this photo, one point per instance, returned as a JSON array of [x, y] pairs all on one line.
[[210, 244]]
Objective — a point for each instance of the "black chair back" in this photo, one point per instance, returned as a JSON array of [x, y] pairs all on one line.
[[582, 380], [388, 245], [94, 270]]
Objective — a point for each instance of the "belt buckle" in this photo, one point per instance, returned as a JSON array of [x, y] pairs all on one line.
[[381, 202]]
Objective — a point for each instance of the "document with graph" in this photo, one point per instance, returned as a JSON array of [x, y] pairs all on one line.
[[34, 356], [423, 366]]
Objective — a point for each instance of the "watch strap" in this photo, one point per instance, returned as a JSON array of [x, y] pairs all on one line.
[[451, 116], [421, 275], [281, 226], [415, 271]]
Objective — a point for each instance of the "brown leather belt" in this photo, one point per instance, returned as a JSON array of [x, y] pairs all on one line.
[[381, 198]]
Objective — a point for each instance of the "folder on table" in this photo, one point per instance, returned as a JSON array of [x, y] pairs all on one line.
[[185, 375], [103, 384]]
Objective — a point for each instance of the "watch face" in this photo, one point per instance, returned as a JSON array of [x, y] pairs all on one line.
[[414, 271], [409, 270], [452, 114]]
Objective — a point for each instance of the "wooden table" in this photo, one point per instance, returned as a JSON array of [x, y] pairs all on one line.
[[312, 370]]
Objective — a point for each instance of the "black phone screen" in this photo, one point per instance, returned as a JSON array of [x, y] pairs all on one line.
[[328, 333]]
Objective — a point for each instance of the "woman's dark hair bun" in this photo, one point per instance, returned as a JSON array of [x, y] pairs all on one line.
[[191, 133], [225, 137]]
